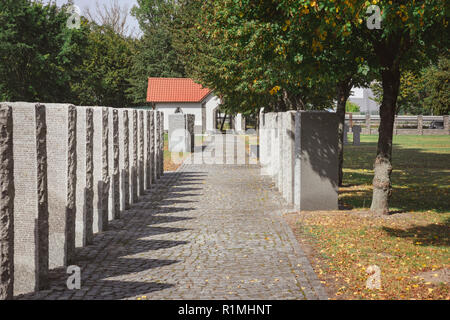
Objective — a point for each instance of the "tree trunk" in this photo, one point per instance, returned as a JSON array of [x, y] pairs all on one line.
[[343, 92], [223, 121], [382, 187]]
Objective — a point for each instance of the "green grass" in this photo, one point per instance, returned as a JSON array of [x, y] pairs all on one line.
[[420, 176]]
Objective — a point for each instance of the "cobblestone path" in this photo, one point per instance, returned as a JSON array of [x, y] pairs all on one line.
[[204, 232]]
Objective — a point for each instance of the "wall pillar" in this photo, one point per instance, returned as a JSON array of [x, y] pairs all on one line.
[[420, 125]]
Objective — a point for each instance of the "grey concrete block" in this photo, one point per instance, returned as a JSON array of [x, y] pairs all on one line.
[[316, 161], [7, 192], [31, 197], [61, 156]]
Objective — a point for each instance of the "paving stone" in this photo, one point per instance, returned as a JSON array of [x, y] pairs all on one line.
[[201, 232]]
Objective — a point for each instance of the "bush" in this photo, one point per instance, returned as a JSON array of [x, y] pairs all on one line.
[[351, 107]]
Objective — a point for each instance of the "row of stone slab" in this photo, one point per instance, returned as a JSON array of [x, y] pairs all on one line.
[[65, 172], [299, 151]]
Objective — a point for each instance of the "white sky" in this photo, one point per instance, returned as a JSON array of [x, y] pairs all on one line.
[[91, 4]]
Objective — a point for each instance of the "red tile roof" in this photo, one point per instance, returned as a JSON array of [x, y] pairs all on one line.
[[175, 90]]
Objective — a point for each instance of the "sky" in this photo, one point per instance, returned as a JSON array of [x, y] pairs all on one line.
[[91, 4]]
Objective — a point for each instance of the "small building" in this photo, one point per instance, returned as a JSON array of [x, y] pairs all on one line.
[[363, 98], [169, 94]]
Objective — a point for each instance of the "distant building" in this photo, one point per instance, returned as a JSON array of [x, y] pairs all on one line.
[[183, 95], [169, 94], [362, 97]]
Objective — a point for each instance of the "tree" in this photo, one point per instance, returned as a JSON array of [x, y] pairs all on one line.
[[435, 81], [411, 34], [256, 54], [105, 68], [153, 54], [351, 107], [112, 15], [39, 54]]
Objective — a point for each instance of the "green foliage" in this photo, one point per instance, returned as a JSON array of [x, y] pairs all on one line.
[[437, 90], [38, 54], [154, 54], [105, 68], [351, 107], [425, 93]]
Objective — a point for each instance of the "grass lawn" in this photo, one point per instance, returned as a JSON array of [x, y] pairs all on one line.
[[411, 246]]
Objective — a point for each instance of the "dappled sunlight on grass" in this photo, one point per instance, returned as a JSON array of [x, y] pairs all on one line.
[[420, 178]]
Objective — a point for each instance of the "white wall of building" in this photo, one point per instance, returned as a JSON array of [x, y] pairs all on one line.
[[362, 97], [212, 102], [187, 108]]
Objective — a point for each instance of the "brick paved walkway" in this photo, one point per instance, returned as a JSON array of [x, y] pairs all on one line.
[[208, 232]]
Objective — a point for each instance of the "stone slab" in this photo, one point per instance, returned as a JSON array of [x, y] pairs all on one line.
[[316, 160], [100, 171], [6, 203], [31, 260], [288, 130], [84, 185], [124, 159], [61, 157]]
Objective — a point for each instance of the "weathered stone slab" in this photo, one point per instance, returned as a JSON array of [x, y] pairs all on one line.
[[31, 198], [141, 151], [147, 158], [133, 126], [288, 130], [356, 130], [316, 160], [161, 141], [101, 174], [280, 181], [84, 186], [275, 148], [61, 157], [161, 144], [113, 165], [152, 147], [181, 132], [157, 144], [124, 159], [6, 203], [266, 136]]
